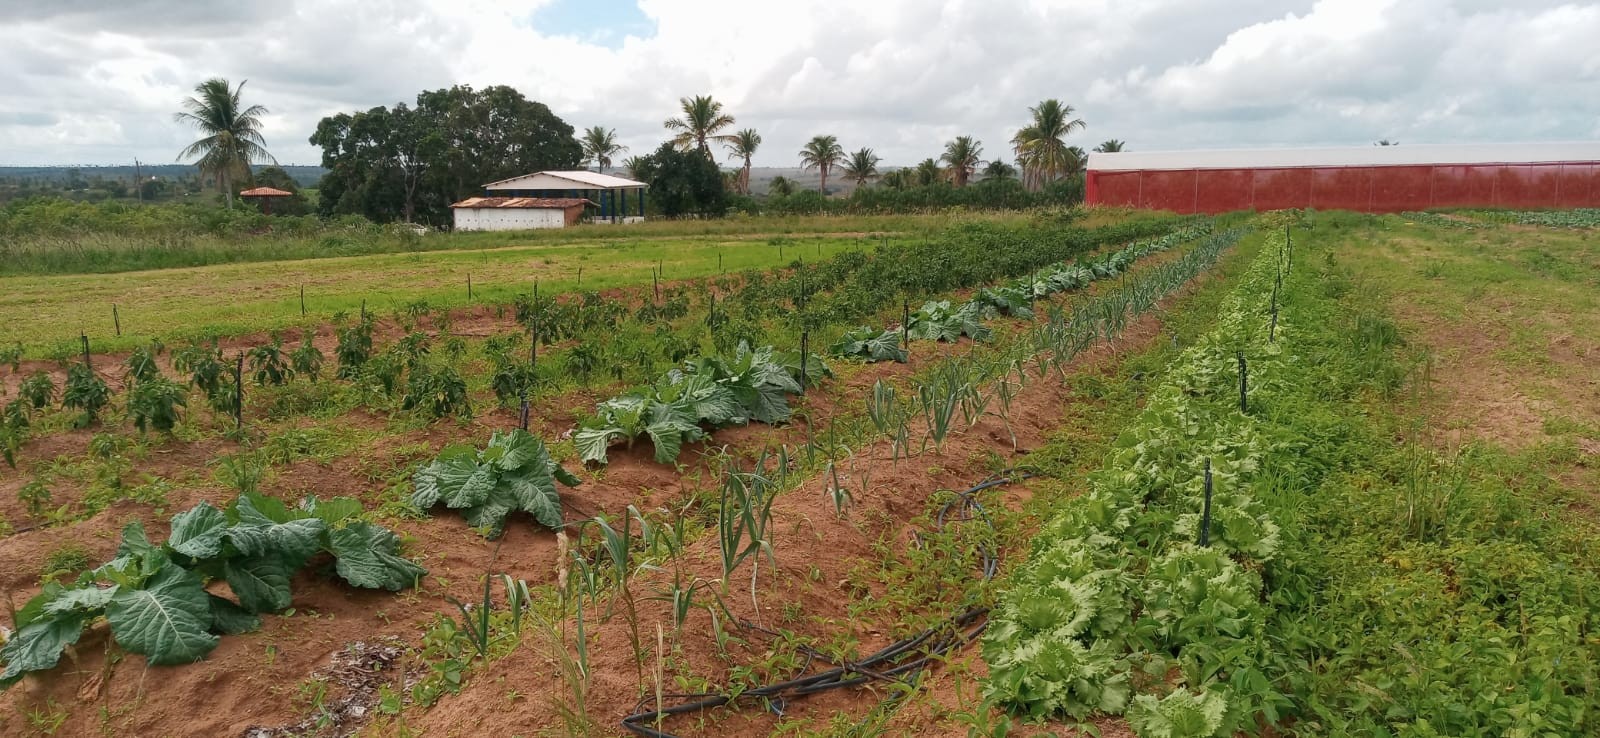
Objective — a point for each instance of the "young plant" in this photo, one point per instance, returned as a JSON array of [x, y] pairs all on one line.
[[38, 389], [436, 393], [85, 391], [153, 402], [307, 359], [267, 363], [354, 348], [514, 472]]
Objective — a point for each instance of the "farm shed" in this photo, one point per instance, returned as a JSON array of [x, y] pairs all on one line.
[[517, 213], [609, 195], [1374, 179]]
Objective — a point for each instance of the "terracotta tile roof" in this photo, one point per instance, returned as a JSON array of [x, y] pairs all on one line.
[[559, 203], [265, 192]]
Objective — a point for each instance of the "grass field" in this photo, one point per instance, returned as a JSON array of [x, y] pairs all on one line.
[[1403, 518], [46, 313]]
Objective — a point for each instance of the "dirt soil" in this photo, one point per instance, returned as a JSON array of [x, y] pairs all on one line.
[[254, 682], [818, 555]]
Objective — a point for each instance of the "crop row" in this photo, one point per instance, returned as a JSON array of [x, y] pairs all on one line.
[[1162, 555]]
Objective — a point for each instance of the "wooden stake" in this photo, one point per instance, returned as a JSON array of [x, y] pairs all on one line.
[[116, 320]]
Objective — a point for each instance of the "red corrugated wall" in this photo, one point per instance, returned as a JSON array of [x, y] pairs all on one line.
[[1375, 189]]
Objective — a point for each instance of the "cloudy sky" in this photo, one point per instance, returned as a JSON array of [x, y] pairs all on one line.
[[96, 81]]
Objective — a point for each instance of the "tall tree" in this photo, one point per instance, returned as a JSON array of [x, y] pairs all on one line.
[[412, 163], [1109, 146], [632, 164], [683, 182], [743, 146], [1077, 160], [862, 166], [599, 145], [822, 153], [780, 185], [962, 156], [701, 122], [998, 169], [1041, 147], [926, 173], [232, 133]]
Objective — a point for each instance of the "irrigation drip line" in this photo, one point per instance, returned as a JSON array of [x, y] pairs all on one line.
[[899, 662]]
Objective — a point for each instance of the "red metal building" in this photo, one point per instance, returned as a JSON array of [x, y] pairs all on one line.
[[1375, 179]]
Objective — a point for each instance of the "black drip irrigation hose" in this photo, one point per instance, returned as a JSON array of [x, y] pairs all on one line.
[[900, 661]]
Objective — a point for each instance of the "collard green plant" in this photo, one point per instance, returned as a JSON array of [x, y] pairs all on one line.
[[1011, 301], [514, 472], [869, 345], [938, 321], [154, 596], [752, 386]]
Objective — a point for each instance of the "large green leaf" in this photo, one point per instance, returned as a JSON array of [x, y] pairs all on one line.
[[332, 511], [260, 582], [518, 449], [535, 492], [197, 532], [257, 534], [87, 600], [169, 620], [592, 442], [230, 619], [38, 646], [448, 478], [368, 556]]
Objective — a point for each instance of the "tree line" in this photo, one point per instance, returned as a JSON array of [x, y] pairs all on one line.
[[410, 162]]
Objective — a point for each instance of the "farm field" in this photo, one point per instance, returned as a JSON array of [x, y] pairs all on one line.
[[1400, 484]]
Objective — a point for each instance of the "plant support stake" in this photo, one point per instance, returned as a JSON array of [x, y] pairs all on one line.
[[805, 346], [905, 323], [469, 286], [1205, 512], [303, 298], [116, 320], [1244, 381], [238, 393], [85, 338]]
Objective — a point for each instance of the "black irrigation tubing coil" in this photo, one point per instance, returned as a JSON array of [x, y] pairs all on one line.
[[899, 662]]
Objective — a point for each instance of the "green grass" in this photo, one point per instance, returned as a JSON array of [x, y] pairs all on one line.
[[86, 240], [47, 312]]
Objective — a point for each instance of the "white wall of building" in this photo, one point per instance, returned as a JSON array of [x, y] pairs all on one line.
[[508, 219]]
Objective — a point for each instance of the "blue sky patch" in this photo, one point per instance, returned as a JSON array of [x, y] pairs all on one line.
[[600, 22]]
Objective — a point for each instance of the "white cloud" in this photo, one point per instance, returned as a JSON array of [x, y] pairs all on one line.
[[97, 83]]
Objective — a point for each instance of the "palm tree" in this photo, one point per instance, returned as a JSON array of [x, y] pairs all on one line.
[[822, 153], [1109, 146], [862, 166], [1077, 160], [998, 169], [743, 146], [702, 119], [634, 165], [1039, 146], [926, 173], [962, 156], [898, 179], [232, 132], [780, 185], [599, 145]]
